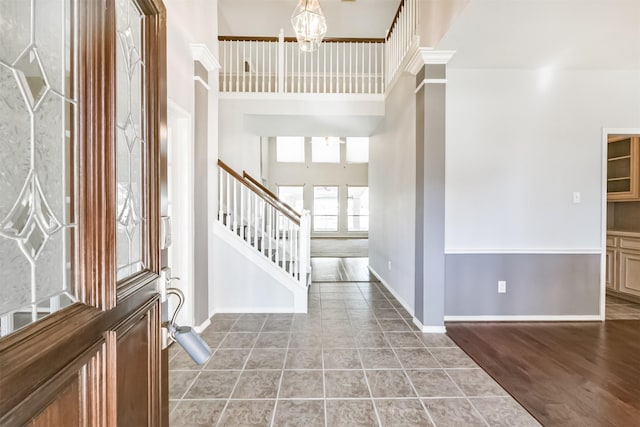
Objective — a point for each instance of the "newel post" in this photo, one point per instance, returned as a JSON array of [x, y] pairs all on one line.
[[281, 61], [305, 245]]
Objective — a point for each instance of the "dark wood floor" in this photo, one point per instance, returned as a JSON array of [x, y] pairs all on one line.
[[564, 374]]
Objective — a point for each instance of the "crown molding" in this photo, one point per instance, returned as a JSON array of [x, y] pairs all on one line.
[[426, 56], [202, 54]]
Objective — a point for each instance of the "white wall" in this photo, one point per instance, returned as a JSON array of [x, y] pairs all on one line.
[[392, 186], [244, 119], [194, 22], [188, 21], [309, 174], [519, 143]]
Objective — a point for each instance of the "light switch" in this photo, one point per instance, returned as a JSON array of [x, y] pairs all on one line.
[[576, 197]]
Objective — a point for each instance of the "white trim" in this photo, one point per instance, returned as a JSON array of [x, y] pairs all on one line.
[[405, 304], [525, 318], [427, 56], [202, 82], [307, 97], [202, 326], [424, 329], [603, 215], [463, 251], [201, 53], [429, 329], [429, 81]]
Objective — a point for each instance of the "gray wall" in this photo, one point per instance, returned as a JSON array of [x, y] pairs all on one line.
[[430, 185], [310, 174], [392, 186], [201, 213], [537, 284]]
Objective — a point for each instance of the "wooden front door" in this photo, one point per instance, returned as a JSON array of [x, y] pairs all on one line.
[[82, 115]]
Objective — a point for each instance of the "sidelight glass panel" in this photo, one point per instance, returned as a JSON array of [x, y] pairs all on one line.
[[131, 149], [37, 159]]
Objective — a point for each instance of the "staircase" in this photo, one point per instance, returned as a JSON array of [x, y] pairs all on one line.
[[268, 244]]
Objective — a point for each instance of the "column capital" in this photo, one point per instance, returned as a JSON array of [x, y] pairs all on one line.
[[427, 56], [202, 54]]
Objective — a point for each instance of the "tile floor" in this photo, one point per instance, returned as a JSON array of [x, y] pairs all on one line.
[[354, 360]]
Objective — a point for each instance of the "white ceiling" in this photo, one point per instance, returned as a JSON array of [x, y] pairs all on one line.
[[546, 33], [359, 19]]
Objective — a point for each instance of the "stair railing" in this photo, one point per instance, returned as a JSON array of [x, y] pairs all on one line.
[[264, 222]]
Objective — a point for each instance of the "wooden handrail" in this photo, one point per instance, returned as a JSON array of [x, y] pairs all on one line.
[[269, 192], [395, 19], [293, 39], [263, 195]]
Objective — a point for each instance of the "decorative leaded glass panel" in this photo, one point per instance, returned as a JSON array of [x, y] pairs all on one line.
[[37, 156], [131, 149]]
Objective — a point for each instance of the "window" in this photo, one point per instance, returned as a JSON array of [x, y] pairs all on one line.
[[293, 196], [325, 209], [358, 209], [325, 150], [290, 149], [358, 150]]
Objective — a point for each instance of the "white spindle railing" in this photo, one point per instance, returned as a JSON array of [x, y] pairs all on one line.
[[256, 218], [277, 65], [401, 37]]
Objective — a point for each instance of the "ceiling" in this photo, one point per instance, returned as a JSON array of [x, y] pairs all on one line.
[[546, 34], [359, 19]]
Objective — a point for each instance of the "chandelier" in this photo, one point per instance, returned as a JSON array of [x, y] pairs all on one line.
[[309, 24]]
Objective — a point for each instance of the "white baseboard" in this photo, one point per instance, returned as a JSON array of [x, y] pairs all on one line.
[[429, 329], [424, 329], [526, 318], [202, 326], [406, 305]]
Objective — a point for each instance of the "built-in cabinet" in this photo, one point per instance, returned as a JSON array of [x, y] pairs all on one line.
[[623, 263], [623, 168]]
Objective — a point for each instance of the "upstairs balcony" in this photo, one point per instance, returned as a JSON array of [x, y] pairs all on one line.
[[276, 65]]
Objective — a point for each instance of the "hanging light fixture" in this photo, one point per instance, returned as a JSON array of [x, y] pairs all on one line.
[[309, 24]]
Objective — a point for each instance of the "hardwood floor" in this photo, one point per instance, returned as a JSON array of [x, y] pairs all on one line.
[[564, 374]]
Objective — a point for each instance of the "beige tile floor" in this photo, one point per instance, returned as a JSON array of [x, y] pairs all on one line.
[[354, 360]]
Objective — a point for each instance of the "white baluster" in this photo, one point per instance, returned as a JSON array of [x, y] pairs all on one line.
[[235, 205], [298, 70], [277, 237], [324, 63], [305, 72], [375, 62], [350, 67], [331, 66], [247, 236], [242, 195], [262, 225], [228, 207], [256, 221], [344, 67], [220, 195], [281, 62]]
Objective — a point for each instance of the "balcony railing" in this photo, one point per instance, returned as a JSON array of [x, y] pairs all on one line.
[[401, 36], [341, 66], [277, 65]]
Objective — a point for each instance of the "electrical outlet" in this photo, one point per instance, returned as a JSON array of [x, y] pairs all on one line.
[[502, 286], [389, 265]]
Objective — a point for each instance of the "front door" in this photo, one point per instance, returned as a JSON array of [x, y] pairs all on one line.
[[82, 113]]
